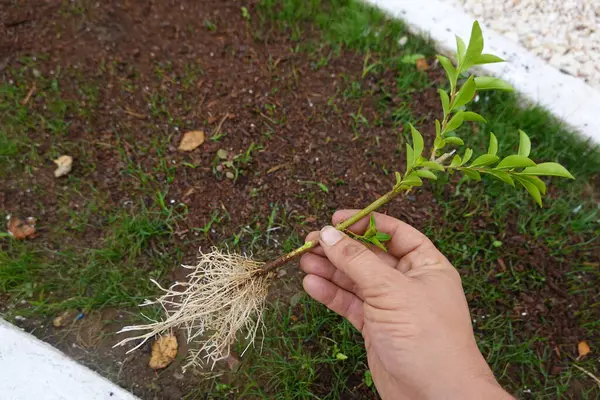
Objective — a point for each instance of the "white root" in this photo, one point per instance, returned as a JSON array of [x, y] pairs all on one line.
[[225, 293]]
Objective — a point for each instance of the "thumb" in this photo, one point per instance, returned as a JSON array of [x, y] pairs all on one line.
[[357, 261]]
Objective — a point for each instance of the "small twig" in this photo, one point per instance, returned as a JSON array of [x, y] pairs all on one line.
[[588, 373], [29, 94], [218, 128], [134, 114]]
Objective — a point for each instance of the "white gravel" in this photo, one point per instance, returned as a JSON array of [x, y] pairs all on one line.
[[565, 33]]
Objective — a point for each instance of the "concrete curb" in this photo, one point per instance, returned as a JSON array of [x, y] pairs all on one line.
[[32, 369], [568, 98]]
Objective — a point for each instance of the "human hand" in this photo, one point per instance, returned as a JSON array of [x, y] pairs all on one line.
[[409, 306]]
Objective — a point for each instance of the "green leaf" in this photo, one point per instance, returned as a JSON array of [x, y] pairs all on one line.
[[487, 59], [417, 142], [472, 174], [531, 188], [455, 122], [515, 161], [398, 177], [460, 51], [501, 175], [341, 356], [493, 147], [438, 129], [454, 140], [473, 116], [368, 378], [377, 243], [524, 144], [475, 47], [548, 169], [372, 230], [410, 157], [323, 187], [445, 101], [439, 143], [485, 159], [465, 94], [467, 156], [450, 70], [413, 180], [536, 181], [456, 161], [382, 236], [433, 165], [492, 83], [411, 58], [425, 173]]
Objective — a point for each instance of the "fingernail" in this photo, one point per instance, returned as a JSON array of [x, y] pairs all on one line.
[[330, 235]]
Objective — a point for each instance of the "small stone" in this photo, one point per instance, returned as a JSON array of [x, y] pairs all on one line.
[[178, 375], [229, 175]]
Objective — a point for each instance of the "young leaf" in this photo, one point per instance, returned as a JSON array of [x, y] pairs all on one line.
[[493, 147], [382, 236], [454, 140], [491, 83], [410, 157], [485, 159], [467, 156], [413, 180], [460, 52], [473, 116], [536, 181], [445, 101], [487, 59], [524, 144], [432, 165], [531, 188], [472, 174], [515, 161], [439, 143], [450, 70], [398, 177], [377, 243], [549, 169], [465, 94], [425, 173], [455, 122], [475, 47], [417, 142], [438, 129], [501, 175], [372, 230], [456, 161]]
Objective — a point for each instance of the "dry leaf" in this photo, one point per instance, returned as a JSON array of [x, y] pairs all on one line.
[[164, 351], [191, 140], [422, 65], [65, 318], [22, 229], [65, 163], [583, 349]]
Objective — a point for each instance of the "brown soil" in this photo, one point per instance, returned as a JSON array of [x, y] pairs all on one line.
[[113, 44]]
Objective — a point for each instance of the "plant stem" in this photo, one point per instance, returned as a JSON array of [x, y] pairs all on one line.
[[272, 265]]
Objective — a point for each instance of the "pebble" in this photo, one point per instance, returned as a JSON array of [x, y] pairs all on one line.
[[565, 33]]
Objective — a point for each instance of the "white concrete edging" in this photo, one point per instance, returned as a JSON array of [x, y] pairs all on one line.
[[32, 369], [568, 98]]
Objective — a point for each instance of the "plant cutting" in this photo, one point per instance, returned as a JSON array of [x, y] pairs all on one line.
[[225, 293]]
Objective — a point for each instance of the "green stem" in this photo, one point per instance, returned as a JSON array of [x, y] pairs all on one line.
[[444, 122], [272, 265]]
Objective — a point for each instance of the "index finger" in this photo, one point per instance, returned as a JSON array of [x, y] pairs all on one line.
[[405, 238]]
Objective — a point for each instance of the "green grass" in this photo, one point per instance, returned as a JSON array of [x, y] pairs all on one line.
[[307, 351]]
